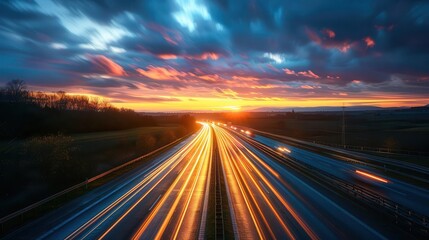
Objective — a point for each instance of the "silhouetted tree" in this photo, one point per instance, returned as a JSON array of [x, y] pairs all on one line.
[[15, 91]]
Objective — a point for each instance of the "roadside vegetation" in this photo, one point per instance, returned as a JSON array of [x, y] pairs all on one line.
[[404, 132], [50, 141]]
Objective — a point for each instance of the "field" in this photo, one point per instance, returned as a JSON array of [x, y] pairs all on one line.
[[31, 169], [396, 131], [405, 133]]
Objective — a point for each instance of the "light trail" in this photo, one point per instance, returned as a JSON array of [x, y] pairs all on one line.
[[172, 162], [268, 196], [226, 164], [249, 169], [193, 171], [368, 175]]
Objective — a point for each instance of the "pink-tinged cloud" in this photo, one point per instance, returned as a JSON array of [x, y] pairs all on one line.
[[310, 87], [307, 87], [272, 68], [328, 32], [167, 56], [289, 72], [169, 40], [107, 65], [369, 42], [210, 77], [171, 36], [328, 43], [245, 78], [227, 92], [161, 73], [308, 74], [313, 36], [204, 56], [344, 47]]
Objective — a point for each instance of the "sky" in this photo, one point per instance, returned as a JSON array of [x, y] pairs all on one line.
[[196, 55]]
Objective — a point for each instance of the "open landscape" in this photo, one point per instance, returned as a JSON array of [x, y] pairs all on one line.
[[392, 133], [208, 119]]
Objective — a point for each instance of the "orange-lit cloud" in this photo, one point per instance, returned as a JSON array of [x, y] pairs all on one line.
[[108, 65], [227, 92], [369, 42], [161, 73], [289, 72], [309, 87], [204, 56], [245, 78], [308, 74], [210, 77], [344, 47], [167, 56], [328, 32]]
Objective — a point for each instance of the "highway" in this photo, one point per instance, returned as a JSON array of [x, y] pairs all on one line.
[[273, 191]]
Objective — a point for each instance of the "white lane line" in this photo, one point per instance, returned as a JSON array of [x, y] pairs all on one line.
[[153, 204], [263, 186]]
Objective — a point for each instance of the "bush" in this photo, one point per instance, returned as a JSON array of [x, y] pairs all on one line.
[[145, 141], [53, 156]]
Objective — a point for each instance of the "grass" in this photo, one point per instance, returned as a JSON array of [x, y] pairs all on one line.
[[60, 201], [399, 131], [21, 180]]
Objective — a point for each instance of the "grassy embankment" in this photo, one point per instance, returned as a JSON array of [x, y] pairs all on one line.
[[34, 168], [396, 130]]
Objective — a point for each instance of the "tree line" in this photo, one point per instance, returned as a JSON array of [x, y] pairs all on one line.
[[26, 113]]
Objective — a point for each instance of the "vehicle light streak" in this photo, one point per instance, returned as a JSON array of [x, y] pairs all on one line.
[[226, 163], [182, 153], [116, 205], [371, 176], [248, 165], [284, 149], [192, 170]]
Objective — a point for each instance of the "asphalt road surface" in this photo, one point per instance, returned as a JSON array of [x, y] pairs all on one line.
[[273, 191]]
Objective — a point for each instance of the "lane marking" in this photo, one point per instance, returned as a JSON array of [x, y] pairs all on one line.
[[266, 190], [153, 204]]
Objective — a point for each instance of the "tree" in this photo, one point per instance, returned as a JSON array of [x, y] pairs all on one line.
[[16, 91]]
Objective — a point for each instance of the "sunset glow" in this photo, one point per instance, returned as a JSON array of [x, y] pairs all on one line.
[[198, 57]]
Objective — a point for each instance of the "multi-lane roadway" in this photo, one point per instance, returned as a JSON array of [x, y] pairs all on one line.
[[271, 190]]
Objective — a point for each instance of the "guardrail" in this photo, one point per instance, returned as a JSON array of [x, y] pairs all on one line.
[[375, 149], [350, 147], [21, 212], [413, 220], [407, 170]]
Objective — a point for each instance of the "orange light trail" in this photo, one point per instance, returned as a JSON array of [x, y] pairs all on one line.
[[372, 176], [253, 168]]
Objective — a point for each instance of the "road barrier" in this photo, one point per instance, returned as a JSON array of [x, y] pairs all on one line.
[[415, 172], [85, 183], [412, 220]]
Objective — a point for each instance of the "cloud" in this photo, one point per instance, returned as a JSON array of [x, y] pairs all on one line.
[[256, 48], [369, 42], [161, 73], [328, 32], [107, 65], [308, 74]]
